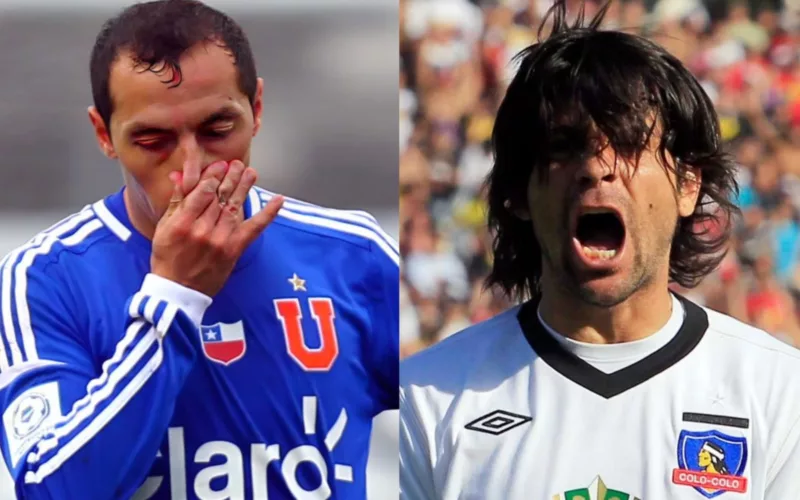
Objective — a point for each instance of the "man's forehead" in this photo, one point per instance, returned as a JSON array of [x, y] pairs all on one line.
[[208, 81]]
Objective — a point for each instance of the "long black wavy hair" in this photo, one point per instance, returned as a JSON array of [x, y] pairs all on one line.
[[632, 92]]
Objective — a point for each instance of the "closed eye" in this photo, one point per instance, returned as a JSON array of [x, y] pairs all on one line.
[[220, 130], [151, 144]]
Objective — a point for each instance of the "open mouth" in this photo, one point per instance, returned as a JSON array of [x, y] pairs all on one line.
[[600, 235]]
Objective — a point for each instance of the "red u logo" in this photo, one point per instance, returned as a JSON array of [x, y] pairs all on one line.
[[290, 314]]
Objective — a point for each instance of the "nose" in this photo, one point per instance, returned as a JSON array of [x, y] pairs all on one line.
[[193, 158], [192, 155], [596, 170]]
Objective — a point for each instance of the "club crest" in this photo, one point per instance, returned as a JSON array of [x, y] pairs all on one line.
[[711, 462]]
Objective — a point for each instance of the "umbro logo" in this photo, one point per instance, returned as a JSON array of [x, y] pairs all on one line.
[[497, 422]]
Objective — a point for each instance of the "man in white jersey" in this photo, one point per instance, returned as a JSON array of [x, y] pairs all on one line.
[[602, 384]]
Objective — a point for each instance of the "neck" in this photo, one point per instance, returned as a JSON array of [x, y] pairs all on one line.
[[637, 317], [138, 215]]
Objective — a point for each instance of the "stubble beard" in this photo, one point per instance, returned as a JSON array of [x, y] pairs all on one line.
[[578, 284]]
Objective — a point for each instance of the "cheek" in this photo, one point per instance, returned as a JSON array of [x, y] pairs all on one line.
[[145, 166], [150, 172], [658, 213], [544, 207], [234, 147], [655, 194]]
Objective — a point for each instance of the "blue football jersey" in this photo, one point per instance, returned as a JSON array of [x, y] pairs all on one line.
[[117, 384]]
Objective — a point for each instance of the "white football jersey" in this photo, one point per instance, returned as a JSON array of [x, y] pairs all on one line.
[[503, 410]]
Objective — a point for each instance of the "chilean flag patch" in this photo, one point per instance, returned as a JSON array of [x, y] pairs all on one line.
[[223, 342]]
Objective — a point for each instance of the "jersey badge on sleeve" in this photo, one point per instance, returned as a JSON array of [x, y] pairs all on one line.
[[595, 491], [712, 462], [223, 342], [29, 417]]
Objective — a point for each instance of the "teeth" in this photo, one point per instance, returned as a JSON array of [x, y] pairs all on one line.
[[594, 253]]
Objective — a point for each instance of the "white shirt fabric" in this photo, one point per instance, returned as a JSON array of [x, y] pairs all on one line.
[[503, 411]]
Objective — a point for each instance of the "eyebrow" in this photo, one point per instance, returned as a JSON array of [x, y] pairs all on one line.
[[143, 129]]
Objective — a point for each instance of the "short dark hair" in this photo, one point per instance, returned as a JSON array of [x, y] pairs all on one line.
[[631, 91], [157, 34]]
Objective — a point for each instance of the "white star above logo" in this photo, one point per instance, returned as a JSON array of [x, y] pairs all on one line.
[[298, 284]]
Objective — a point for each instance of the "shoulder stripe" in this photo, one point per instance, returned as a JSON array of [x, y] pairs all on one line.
[[343, 228], [80, 213], [111, 222], [377, 235], [300, 206], [21, 282], [14, 272], [353, 216]]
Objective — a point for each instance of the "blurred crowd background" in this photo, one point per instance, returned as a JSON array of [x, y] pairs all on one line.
[[328, 133], [455, 62]]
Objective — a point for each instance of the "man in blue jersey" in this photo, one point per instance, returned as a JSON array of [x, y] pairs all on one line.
[[161, 343]]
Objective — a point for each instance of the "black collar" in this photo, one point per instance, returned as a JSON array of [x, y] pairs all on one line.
[[608, 385]]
